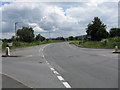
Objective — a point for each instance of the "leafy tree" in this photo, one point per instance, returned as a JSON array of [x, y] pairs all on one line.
[[76, 38], [39, 38], [114, 32], [59, 38], [13, 38], [97, 30], [25, 34], [71, 38]]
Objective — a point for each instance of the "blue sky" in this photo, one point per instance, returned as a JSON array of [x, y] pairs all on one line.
[[61, 18], [3, 3]]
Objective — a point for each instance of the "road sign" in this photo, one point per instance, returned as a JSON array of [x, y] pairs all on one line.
[[10, 44]]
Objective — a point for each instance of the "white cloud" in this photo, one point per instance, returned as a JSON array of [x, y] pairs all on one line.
[[38, 29], [107, 13], [92, 1], [44, 17], [7, 35], [32, 24]]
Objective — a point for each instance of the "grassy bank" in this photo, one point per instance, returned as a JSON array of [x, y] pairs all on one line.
[[17, 44], [105, 43]]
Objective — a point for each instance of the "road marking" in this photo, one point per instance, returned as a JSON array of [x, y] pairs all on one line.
[[55, 72], [43, 56], [40, 50], [66, 85], [48, 63], [52, 69], [60, 78], [29, 55], [16, 80]]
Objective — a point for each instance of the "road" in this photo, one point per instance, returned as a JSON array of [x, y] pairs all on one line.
[[61, 65]]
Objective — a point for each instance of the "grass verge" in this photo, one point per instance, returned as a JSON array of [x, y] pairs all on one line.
[[105, 43], [17, 44]]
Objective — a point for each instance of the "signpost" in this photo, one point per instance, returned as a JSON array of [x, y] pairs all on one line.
[[10, 44]]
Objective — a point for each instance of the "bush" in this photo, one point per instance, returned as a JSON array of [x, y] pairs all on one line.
[[114, 32]]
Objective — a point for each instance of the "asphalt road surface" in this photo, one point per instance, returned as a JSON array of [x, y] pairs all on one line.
[[61, 65]]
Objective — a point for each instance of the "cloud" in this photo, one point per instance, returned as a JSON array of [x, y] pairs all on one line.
[[87, 12], [38, 29], [61, 19], [91, 1], [32, 24]]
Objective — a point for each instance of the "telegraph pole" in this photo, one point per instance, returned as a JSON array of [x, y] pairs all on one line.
[[15, 29]]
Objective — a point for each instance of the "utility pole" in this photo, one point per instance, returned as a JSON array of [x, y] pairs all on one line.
[[15, 29], [49, 35], [82, 38]]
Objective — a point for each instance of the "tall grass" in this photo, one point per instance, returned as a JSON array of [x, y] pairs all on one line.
[[105, 43]]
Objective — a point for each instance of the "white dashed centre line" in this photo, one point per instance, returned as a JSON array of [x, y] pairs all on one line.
[[60, 78], [52, 69], [55, 72], [66, 85]]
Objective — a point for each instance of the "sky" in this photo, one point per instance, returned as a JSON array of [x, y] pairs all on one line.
[[60, 18]]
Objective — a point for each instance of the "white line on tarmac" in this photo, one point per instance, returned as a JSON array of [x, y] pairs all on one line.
[[52, 69], [66, 85], [48, 63], [29, 55], [60, 78], [43, 55], [55, 72]]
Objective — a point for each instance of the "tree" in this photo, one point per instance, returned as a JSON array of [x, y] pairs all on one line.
[[76, 38], [114, 32], [25, 34], [59, 38], [39, 38], [71, 38], [13, 38], [96, 30]]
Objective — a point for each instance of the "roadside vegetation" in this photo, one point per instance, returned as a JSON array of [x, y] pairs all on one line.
[[25, 37], [104, 43], [98, 37], [18, 44]]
